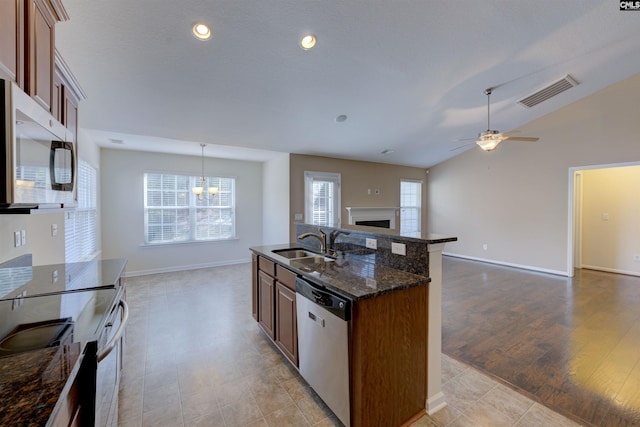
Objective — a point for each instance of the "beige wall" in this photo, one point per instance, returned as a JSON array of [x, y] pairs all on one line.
[[356, 178], [610, 213], [46, 249], [516, 198]]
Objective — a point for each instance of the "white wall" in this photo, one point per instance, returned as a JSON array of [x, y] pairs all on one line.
[[516, 198], [610, 214], [275, 200], [123, 216]]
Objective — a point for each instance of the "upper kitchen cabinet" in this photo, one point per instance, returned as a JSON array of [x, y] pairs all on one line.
[[40, 19], [12, 40], [66, 95], [27, 45]]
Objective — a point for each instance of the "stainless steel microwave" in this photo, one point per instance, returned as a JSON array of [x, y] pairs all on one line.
[[38, 156]]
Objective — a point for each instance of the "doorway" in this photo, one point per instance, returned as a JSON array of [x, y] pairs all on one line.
[[578, 221]]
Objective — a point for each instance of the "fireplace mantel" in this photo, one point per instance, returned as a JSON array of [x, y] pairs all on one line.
[[373, 214]]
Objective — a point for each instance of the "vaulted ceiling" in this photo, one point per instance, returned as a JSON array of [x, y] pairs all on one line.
[[409, 75]]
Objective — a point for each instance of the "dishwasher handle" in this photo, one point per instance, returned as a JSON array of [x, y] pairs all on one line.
[[332, 302]]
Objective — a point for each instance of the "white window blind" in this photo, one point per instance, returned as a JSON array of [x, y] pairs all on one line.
[[173, 214], [322, 198], [80, 224], [410, 208]]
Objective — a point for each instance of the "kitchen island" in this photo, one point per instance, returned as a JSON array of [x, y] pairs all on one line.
[[391, 371]]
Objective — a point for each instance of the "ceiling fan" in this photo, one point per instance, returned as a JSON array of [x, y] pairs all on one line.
[[489, 139]]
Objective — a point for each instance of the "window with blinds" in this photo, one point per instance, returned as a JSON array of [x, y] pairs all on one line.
[[80, 225], [173, 214], [322, 198], [410, 208]]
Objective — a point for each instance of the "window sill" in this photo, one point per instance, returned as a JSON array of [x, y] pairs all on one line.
[[188, 242]]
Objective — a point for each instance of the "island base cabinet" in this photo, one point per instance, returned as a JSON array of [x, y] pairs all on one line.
[[266, 304], [388, 354], [286, 322]]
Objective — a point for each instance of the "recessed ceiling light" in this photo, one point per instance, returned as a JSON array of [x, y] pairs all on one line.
[[341, 118], [308, 41], [201, 31]]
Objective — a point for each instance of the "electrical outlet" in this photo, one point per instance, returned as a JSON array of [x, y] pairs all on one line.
[[297, 217], [605, 217], [54, 230], [372, 284], [399, 249], [485, 246], [23, 236], [371, 243], [636, 258], [17, 239]]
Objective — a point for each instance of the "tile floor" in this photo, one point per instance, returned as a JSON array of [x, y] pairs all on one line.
[[196, 357]]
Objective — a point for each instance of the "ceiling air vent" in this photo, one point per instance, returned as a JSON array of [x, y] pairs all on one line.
[[548, 92]]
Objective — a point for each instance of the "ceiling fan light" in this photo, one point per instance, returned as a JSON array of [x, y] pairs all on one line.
[[489, 140]]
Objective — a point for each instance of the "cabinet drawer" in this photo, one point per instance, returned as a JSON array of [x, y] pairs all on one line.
[[267, 266], [286, 277]]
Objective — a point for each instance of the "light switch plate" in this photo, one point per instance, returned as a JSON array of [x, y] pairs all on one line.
[[17, 239], [23, 236], [399, 249], [371, 243]]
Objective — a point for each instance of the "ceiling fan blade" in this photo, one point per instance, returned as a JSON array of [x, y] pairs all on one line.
[[462, 146], [520, 138]]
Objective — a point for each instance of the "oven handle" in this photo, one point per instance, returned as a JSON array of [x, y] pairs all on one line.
[[112, 344]]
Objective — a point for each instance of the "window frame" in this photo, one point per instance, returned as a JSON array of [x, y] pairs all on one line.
[[309, 178], [417, 208], [192, 207], [81, 224]]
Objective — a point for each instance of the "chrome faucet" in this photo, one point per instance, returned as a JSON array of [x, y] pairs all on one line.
[[332, 240], [322, 237]]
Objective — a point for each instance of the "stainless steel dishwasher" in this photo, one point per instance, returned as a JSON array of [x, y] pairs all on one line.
[[323, 345]]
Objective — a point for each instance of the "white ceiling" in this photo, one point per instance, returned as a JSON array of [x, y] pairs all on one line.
[[410, 75]]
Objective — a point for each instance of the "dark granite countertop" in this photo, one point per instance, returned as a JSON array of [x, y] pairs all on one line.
[[355, 276], [32, 383], [18, 276]]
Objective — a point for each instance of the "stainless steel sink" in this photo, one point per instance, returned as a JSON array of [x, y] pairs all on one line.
[[294, 253], [299, 253]]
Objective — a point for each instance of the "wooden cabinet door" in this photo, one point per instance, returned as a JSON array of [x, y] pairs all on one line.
[[286, 322], [11, 40], [266, 312], [40, 46]]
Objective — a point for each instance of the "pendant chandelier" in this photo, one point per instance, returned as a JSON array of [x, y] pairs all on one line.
[[198, 191]]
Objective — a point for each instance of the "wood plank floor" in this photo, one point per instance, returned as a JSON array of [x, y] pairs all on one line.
[[572, 344]]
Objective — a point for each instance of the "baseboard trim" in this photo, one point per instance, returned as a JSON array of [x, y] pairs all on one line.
[[185, 267], [509, 264], [435, 403], [611, 270]]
